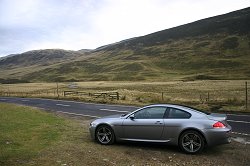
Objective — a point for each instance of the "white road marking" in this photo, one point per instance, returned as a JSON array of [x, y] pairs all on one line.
[[64, 105], [241, 133], [89, 103], [3, 99], [241, 140], [70, 113], [237, 115], [25, 100], [237, 121], [103, 109]]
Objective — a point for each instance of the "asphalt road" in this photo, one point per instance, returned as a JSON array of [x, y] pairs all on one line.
[[240, 123]]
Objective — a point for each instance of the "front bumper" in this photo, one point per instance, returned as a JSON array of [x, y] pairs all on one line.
[[92, 132]]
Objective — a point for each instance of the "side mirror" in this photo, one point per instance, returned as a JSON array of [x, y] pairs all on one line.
[[132, 116]]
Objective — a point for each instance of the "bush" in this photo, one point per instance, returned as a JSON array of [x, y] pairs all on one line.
[[13, 81], [230, 43]]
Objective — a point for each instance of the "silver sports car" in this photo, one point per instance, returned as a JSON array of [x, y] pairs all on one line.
[[183, 126]]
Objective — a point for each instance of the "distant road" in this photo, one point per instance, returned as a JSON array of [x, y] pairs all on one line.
[[240, 123]]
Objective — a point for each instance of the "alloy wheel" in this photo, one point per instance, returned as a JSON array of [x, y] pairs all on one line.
[[105, 135], [192, 142]]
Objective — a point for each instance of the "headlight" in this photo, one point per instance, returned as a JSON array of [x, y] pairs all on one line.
[[92, 124]]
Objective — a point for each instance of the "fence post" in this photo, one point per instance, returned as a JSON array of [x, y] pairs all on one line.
[[208, 96], [246, 95], [57, 90], [118, 97], [162, 96]]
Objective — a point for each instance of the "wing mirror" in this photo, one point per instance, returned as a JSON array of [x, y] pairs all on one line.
[[132, 116]]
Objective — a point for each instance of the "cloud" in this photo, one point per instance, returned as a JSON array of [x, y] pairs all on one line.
[[77, 24]]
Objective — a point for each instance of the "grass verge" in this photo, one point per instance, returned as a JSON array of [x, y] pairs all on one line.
[[25, 131], [33, 137]]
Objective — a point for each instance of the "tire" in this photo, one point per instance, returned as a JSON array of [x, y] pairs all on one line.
[[191, 142], [105, 135]]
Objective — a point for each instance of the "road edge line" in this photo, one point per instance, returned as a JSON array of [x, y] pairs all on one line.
[[238, 121], [70, 113], [241, 133]]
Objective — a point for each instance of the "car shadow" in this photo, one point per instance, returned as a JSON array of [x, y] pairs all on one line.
[[150, 146], [208, 151]]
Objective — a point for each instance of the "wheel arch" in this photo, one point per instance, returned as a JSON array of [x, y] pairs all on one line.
[[193, 129], [104, 124]]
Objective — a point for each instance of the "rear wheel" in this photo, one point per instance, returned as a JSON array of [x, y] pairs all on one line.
[[191, 142], [105, 135]]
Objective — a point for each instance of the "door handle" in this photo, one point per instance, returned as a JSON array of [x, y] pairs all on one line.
[[158, 122]]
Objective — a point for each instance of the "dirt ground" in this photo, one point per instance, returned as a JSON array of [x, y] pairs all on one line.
[[79, 149]]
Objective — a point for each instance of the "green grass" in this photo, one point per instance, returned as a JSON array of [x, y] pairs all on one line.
[[25, 131]]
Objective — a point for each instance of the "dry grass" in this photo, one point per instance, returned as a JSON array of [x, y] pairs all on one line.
[[27, 87], [221, 94]]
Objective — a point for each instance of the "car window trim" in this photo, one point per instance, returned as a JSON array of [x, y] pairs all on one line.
[[151, 107], [168, 110]]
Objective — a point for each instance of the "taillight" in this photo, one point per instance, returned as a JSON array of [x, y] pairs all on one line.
[[218, 125]]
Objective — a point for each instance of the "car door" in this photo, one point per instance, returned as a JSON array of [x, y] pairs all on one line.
[[145, 124], [174, 122]]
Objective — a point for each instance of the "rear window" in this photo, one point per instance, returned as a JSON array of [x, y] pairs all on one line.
[[174, 113]]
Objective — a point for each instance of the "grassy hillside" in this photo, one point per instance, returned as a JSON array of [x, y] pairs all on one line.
[[13, 68], [213, 48], [206, 57]]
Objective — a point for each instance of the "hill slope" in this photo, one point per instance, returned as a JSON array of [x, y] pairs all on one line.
[[212, 48], [14, 67]]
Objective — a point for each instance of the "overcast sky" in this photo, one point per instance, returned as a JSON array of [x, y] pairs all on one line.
[[86, 24]]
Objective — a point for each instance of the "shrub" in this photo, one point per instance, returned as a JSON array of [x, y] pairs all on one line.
[[230, 43]]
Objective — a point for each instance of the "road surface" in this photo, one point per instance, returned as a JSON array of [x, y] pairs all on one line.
[[240, 123]]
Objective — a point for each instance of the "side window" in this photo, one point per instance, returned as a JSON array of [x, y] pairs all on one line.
[[178, 114], [151, 113]]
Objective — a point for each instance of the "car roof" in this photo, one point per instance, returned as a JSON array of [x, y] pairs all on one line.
[[178, 107], [168, 105]]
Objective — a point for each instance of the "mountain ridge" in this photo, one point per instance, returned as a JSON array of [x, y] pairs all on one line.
[[186, 30], [214, 48]]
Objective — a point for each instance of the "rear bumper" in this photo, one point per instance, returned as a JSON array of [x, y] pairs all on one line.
[[218, 136]]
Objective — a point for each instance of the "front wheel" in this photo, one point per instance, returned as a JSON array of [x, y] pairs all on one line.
[[105, 135], [191, 142]]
